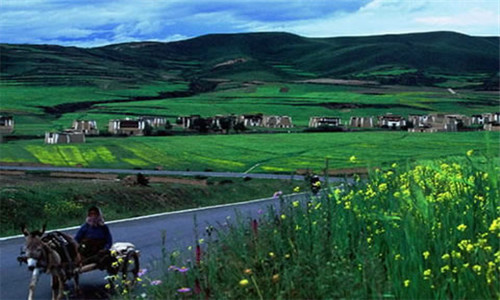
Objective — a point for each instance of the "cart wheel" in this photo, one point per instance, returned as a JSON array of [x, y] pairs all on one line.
[[130, 269]]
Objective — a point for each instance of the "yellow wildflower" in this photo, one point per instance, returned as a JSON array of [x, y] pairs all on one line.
[[244, 282], [455, 254], [397, 257], [352, 159], [477, 269], [444, 269], [295, 203], [407, 283], [470, 152], [296, 189], [427, 273], [347, 205], [394, 165], [426, 254], [445, 256], [461, 227], [382, 187], [107, 286], [271, 254], [283, 216], [495, 225]]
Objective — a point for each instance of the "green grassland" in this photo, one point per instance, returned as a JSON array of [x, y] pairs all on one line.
[[300, 102], [273, 152]]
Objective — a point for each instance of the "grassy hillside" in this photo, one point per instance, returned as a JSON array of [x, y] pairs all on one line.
[[267, 56]]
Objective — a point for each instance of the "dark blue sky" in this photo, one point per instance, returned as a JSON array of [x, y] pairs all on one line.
[[89, 23]]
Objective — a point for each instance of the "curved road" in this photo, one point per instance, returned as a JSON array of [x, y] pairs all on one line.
[[144, 232]]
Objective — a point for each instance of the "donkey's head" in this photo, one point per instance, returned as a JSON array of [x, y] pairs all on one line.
[[35, 249]]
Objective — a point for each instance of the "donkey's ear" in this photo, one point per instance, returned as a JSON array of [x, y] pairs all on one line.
[[43, 228], [24, 230]]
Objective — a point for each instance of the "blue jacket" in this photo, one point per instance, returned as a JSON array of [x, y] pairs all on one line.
[[95, 233]]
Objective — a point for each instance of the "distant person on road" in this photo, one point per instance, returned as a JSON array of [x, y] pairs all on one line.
[[315, 184], [94, 239]]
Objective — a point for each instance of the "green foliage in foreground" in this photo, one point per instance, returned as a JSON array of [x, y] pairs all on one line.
[[272, 152], [427, 232], [65, 203]]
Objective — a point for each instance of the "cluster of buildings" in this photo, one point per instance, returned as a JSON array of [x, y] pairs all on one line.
[[248, 120], [415, 123], [136, 127], [82, 128]]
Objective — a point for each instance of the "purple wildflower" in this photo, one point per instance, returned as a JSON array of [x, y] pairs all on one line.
[[183, 269], [260, 211], [184, 290], [173, 268], [156, 282], [142, 272]]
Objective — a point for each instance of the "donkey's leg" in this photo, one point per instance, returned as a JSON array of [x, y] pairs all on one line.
[[54, 283], [76, 280], [60, 278], [34, 280]]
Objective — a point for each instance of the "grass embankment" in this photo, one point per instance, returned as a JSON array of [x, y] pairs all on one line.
[[63, 202], [429, 231], [238, 153]]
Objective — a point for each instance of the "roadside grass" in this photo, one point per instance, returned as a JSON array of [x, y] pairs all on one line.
[[429, 230], [273, 152], [29, 201]]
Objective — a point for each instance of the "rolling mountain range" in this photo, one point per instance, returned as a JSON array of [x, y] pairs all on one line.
[[415, 59]]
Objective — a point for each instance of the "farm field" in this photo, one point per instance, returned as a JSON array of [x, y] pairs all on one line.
[[267, 152], [39, 109]]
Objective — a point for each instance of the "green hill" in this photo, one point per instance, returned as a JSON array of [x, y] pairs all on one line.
[[414, 59]]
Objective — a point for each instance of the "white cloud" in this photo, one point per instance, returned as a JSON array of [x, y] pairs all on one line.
[[475, 17], [392, 16], [84, 23]]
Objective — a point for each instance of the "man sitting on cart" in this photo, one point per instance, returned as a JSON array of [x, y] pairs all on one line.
[[95, 241]]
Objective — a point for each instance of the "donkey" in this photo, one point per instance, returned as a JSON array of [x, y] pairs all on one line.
[[55, 253]]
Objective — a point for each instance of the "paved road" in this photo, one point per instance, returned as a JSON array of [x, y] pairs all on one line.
[[145, 233], [162, 172]]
